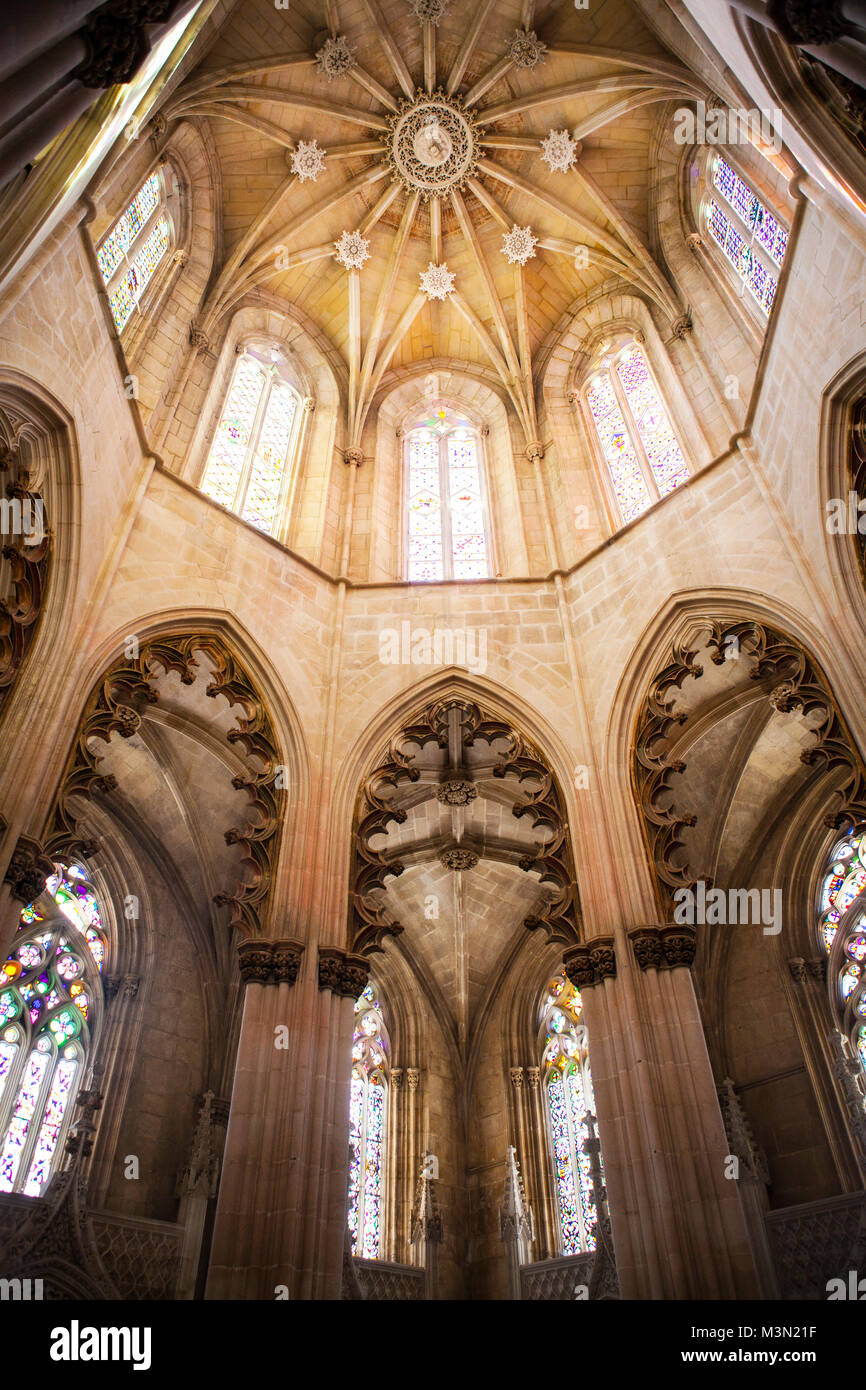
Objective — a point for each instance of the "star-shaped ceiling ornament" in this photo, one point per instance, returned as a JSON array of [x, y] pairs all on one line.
[[527, 49], [336, 57], [519, 245], [559, 151], [429, 11], [352, 250], [437, 281], [308, 160]]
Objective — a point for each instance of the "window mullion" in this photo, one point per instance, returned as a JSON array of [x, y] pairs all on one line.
[[634, 434]]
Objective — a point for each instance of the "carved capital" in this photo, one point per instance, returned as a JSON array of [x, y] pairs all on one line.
[[694, 241], [397, 1078], [309, 405], [198, 338], [591, 962], [269, 962], [116, 40], [679, 944], [797, 967], [534, 450], [646, 943], [517, 1077], [28, 869], [533, 1076], [683, 325], [341, 972], [353, 457], [413, 1076]]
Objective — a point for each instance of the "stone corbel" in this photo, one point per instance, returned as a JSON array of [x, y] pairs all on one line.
[[353, 458]]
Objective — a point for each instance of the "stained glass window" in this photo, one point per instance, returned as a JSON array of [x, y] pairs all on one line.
[[367, 1105], [50, 991], [841, 921], [446, 530], [134, 248], [246, 468], [635, 433], [738, 237], [568, 1088]]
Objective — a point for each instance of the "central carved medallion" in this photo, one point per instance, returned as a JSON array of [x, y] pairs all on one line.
[[432, 145]]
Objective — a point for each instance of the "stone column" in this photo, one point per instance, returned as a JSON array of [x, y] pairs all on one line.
[[677, 1221], [248, 1256]]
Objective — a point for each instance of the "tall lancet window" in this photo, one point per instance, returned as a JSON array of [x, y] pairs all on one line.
[[748, 235], [135, 246], [568, 1090], [50, 1006], [446, 512], [248, 466], [637, 439], [367, 1109], [842, 924]]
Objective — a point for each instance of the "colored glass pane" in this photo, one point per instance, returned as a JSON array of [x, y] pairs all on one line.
[[748, 266], [130, 288], [629, 485], [468, 541], [272, 447], [568, 1086], [49, 1130], [367, 1096], [425, 510], [26, 1102], [767, 230], [229, 450], [127, 227], [652, 420]]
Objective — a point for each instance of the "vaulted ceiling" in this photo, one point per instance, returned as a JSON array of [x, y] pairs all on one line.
[[431, 132]]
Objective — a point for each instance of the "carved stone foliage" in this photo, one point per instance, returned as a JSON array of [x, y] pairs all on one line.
[[791, 681], [541, 802], [115, 36], [25, 544], [590, 963], [663, 948], [269, 962], [342, 973], [115, 706]]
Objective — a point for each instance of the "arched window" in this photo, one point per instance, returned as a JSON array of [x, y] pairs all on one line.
[[367, 1107], [134, 248], [247, 467], [842, 923], [446, 514], [640, 448], [568, 1092], [749, 236], [50, 1005]]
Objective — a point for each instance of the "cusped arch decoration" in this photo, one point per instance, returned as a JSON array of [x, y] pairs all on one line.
[[369, 923], [115, 706], [791, 680]]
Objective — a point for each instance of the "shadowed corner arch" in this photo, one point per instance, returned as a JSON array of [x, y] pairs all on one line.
[[40, 480], [116, 704], [842, 470], [454, 726]]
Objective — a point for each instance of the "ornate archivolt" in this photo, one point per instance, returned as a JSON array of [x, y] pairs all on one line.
[[116, 706], [438, 155], [455, 726], [792, 683]]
